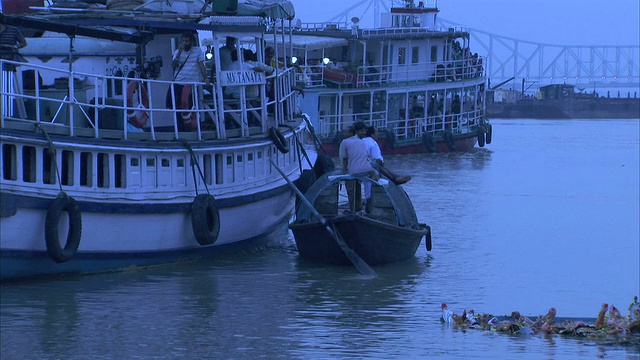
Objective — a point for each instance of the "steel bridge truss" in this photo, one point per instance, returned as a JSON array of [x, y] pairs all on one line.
[[587, 66]]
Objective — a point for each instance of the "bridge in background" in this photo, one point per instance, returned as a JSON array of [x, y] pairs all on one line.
[[589, 67]]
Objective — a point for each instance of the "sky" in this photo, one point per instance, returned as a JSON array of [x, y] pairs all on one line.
[[553, 22]]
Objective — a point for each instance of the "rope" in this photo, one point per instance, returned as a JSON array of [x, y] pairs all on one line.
[[52, 151], [194, 163], [300, 148]]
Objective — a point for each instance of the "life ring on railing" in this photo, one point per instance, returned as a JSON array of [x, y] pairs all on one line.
[[489, 133], [63, 203], [137, 116], [205, 219], [449, 140], [480, 135], [189, 118], [279, 140], [428, 142]]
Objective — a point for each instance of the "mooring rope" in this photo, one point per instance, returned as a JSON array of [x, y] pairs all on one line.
[[195, 163], [52, 152]]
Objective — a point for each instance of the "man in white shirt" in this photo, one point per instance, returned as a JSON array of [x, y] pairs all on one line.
[[355, 161], [188, 70]]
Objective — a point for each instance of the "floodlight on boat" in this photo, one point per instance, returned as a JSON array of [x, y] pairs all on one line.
[[237, 20], [294, 59], [325, 61], [208, 54]]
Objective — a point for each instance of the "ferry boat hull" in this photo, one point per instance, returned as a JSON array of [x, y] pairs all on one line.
[[122, 236]]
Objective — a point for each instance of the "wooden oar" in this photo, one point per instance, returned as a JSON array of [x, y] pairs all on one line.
[[357, 261]]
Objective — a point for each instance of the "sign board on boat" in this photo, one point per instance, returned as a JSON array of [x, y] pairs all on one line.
[[241, 77]]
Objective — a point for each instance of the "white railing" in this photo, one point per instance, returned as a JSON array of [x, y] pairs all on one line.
[[380, 75], [83, 104]]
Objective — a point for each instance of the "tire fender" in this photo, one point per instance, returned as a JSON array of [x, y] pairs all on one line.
[[489, 134], [279, 140], [449, 140], [58, 253], [429, 144], [205, 219], [481, 141]]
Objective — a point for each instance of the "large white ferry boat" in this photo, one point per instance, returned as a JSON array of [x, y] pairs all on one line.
[[422, 86], [100, 172]]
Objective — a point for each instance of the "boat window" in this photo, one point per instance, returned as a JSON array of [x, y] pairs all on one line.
[[48, 167], [250, 169], [208, 168], [135, 172], [9, 171], [229, 174], [415, 55], [219, 171], [434, 53], [149, 177], [402, 56], [29, 164], [120, 170], [179, 173], [86, 169], [103, 170], [68, 167], [164, 175]]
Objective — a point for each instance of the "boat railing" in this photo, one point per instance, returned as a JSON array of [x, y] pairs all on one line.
[[320, 75], [330, 125], [415, 127], [101, 106], [442, 71], [321, 26]]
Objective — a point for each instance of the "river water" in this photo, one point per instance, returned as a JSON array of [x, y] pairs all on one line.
[[545, 216]]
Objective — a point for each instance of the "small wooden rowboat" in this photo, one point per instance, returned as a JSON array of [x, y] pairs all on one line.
[[386, 231]]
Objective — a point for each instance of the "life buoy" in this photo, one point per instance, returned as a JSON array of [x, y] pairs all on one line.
[[52, 223], [205, 219], [279, 140], [489, 134], [324, 163], [137, 114], [189, 118], [427, 240], [449, 140], [428, 142], [480, 135]]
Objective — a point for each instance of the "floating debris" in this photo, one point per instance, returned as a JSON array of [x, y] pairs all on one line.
[[609, 323]]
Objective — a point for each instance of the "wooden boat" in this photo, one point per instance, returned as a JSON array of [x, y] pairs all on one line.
[[98, 175], [420, 85], [386, 231]]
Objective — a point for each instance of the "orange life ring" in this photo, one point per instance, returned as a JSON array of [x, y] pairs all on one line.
[[189, 118], [137, 116]]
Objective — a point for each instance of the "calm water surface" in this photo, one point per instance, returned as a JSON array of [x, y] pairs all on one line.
[[546, 216]]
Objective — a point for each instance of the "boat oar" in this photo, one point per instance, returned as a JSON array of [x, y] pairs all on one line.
[[357, 261]]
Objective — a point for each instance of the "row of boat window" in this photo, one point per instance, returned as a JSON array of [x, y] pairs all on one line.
[[108, 170]]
